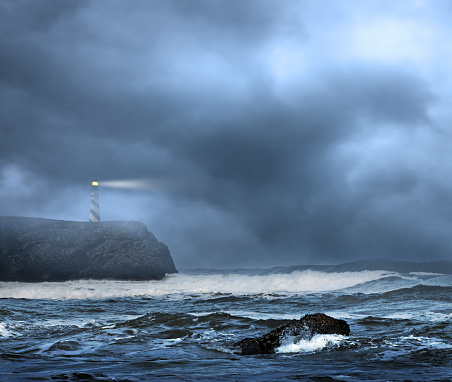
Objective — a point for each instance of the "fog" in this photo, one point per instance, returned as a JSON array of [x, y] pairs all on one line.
[[243, 134]]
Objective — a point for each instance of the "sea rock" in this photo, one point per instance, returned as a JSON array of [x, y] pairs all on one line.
[[306, 327], [35, 249]]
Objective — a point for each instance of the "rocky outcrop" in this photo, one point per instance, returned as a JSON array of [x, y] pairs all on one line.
[[34, 249], [304, 328]]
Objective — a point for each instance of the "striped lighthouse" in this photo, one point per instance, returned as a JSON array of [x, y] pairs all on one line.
[[94, 213]]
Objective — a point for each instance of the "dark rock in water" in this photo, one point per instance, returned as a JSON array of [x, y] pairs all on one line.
[[34, 249], [305, 327]]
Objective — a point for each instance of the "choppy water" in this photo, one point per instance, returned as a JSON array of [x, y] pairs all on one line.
[[183, 328]]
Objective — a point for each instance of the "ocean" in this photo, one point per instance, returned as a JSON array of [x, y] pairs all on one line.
[[184, 327]]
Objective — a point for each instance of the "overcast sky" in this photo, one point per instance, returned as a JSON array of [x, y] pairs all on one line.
[[270, 132]]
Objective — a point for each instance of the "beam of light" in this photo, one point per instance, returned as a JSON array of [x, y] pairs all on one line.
[[135, 184]]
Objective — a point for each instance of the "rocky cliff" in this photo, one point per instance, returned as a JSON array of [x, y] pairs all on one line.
[[34, 249]]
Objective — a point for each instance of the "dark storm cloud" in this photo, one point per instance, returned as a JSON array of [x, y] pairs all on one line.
[[278, 143], [88, 72]]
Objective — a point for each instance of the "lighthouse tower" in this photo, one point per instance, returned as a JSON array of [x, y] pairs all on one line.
[[94, 213]]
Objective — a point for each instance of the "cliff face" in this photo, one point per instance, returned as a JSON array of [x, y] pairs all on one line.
[[34, 249]]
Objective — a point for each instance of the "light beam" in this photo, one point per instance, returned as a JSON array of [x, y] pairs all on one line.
[[134, 184]]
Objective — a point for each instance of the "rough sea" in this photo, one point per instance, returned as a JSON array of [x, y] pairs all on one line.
[[183, 327]]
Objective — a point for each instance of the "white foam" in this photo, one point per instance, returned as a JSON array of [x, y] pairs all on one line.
[[4, 332], [80, 323], [419, 315], [405, 315], [316, 343], [185, 285], [421, 342], [399, 316]]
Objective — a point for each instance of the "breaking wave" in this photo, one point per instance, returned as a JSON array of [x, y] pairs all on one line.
[[186, 285], [4, 331], [316, 343]]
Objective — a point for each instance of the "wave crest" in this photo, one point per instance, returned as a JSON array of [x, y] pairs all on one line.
[[313, 344], [185, 285]]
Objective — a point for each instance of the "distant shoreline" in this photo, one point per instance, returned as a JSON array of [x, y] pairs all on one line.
[[434, 266]]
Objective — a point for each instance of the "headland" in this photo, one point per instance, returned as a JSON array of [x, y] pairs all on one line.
[[36, 250]]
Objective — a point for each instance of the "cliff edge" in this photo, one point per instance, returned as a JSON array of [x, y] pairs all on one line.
[[35, 249]]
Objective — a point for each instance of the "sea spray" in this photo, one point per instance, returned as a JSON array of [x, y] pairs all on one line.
[[183, 285], [316, 343]]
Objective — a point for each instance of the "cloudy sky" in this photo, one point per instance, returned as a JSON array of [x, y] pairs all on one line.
[[265, 132]]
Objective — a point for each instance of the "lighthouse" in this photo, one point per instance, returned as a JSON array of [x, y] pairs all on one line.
[[94, 213]]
